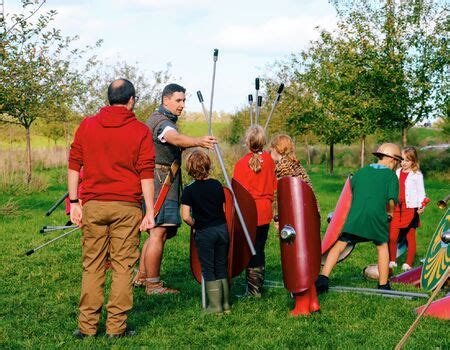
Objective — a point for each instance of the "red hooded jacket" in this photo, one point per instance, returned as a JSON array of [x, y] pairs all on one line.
[[116, 152]]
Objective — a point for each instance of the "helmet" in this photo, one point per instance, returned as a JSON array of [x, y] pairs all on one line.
[[389, 150], [371, 272]]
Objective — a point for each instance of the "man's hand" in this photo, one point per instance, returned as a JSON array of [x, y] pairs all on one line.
[[206, 141], [148, 222], [420, 210], [76, 214]]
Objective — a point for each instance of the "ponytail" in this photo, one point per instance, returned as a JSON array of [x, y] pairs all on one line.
[[255, 163], [255, 139]]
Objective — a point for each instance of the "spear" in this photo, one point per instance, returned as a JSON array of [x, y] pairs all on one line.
[[56, 205], [250, 106], [274, 104], [219, 156], [257, 99], [227, 180], [31, 251]]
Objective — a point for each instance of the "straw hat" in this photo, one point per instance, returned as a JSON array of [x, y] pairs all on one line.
[[390, 150]]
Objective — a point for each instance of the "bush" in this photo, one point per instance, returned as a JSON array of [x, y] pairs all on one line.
[[432, 161]]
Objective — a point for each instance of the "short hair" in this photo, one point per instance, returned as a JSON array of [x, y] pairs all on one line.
[[170, 89], [198, 165], [120, 91]]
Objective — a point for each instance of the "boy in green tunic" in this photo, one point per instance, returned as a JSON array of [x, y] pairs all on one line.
[[375, 192]]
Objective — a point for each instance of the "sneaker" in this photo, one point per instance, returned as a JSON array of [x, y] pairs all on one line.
[[392, 264], [386, 286], [157, 288], [78, 335], [322, 284], [406, 267], [127, 333]]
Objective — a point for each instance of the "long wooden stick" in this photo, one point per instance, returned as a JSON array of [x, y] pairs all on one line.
[[414, 325]]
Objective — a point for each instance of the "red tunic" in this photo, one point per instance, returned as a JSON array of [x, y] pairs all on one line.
[[402, 215], [261, 185]]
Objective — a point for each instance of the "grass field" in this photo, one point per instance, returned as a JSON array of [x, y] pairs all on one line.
[[40, 293]]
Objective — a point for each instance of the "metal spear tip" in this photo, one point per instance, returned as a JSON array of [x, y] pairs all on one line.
[[200, 96], [250, 98], [280, 88], [257, 83], [259, 101]]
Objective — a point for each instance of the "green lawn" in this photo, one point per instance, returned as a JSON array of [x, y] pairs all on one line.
[[40, 293]]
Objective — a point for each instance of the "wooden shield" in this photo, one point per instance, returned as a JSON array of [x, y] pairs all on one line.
[[337, 222], [300, 257], [411, 277], [238, 253], [438, 309], [437, 259]]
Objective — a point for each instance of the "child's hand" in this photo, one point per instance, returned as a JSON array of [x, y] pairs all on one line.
[[420, 210]]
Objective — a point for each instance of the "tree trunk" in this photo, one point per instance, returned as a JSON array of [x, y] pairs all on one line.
[[308, 153], [363, 150], [331, 158], [404, 136], [28, 155]]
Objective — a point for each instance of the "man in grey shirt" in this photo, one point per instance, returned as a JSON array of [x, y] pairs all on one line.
[[169, 144]]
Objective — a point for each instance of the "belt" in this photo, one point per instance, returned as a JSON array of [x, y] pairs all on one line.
[[163, 167]]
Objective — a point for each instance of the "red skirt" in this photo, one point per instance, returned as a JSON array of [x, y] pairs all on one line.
[[405, 217]]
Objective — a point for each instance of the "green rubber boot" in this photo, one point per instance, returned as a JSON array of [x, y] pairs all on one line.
[[226, 296], [214, 293]]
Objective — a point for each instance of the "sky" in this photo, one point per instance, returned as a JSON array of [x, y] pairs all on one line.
[[250, 36]]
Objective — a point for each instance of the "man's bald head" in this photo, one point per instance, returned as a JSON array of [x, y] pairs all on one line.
[[120, 91]]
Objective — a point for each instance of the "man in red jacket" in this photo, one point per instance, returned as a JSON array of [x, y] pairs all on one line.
[[117, 155]]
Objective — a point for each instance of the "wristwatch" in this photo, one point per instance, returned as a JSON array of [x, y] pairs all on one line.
[[389, 217], [73, 201]]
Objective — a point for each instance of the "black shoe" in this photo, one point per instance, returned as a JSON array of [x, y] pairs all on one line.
[[322, 284], [127, 333], [386, 286], [77, 334]]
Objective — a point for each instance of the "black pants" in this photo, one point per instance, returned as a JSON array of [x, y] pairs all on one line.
[[212, 248], [261, 237]]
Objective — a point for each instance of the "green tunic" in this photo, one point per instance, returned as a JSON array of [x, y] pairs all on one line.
[[372, 188]]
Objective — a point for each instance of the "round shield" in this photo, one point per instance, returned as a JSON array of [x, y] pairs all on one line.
[[437, 259]]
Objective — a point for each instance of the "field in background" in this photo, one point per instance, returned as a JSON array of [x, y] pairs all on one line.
[[40, 293]]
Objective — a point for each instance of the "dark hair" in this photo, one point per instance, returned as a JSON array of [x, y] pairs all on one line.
[[120, 91], [198, 165], [170, 89]]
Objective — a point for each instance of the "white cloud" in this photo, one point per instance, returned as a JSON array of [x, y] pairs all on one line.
[[275, 36], [160, 4]]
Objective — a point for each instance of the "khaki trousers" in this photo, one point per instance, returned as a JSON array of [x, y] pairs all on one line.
[[108, 227]]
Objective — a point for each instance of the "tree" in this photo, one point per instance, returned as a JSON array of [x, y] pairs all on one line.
[[412, 34], [148, 88], [36, 73]]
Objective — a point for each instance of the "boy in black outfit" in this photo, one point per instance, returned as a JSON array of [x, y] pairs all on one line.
[[206, 199]]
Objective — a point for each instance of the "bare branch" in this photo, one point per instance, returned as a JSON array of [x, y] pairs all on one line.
[[31, 15]]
